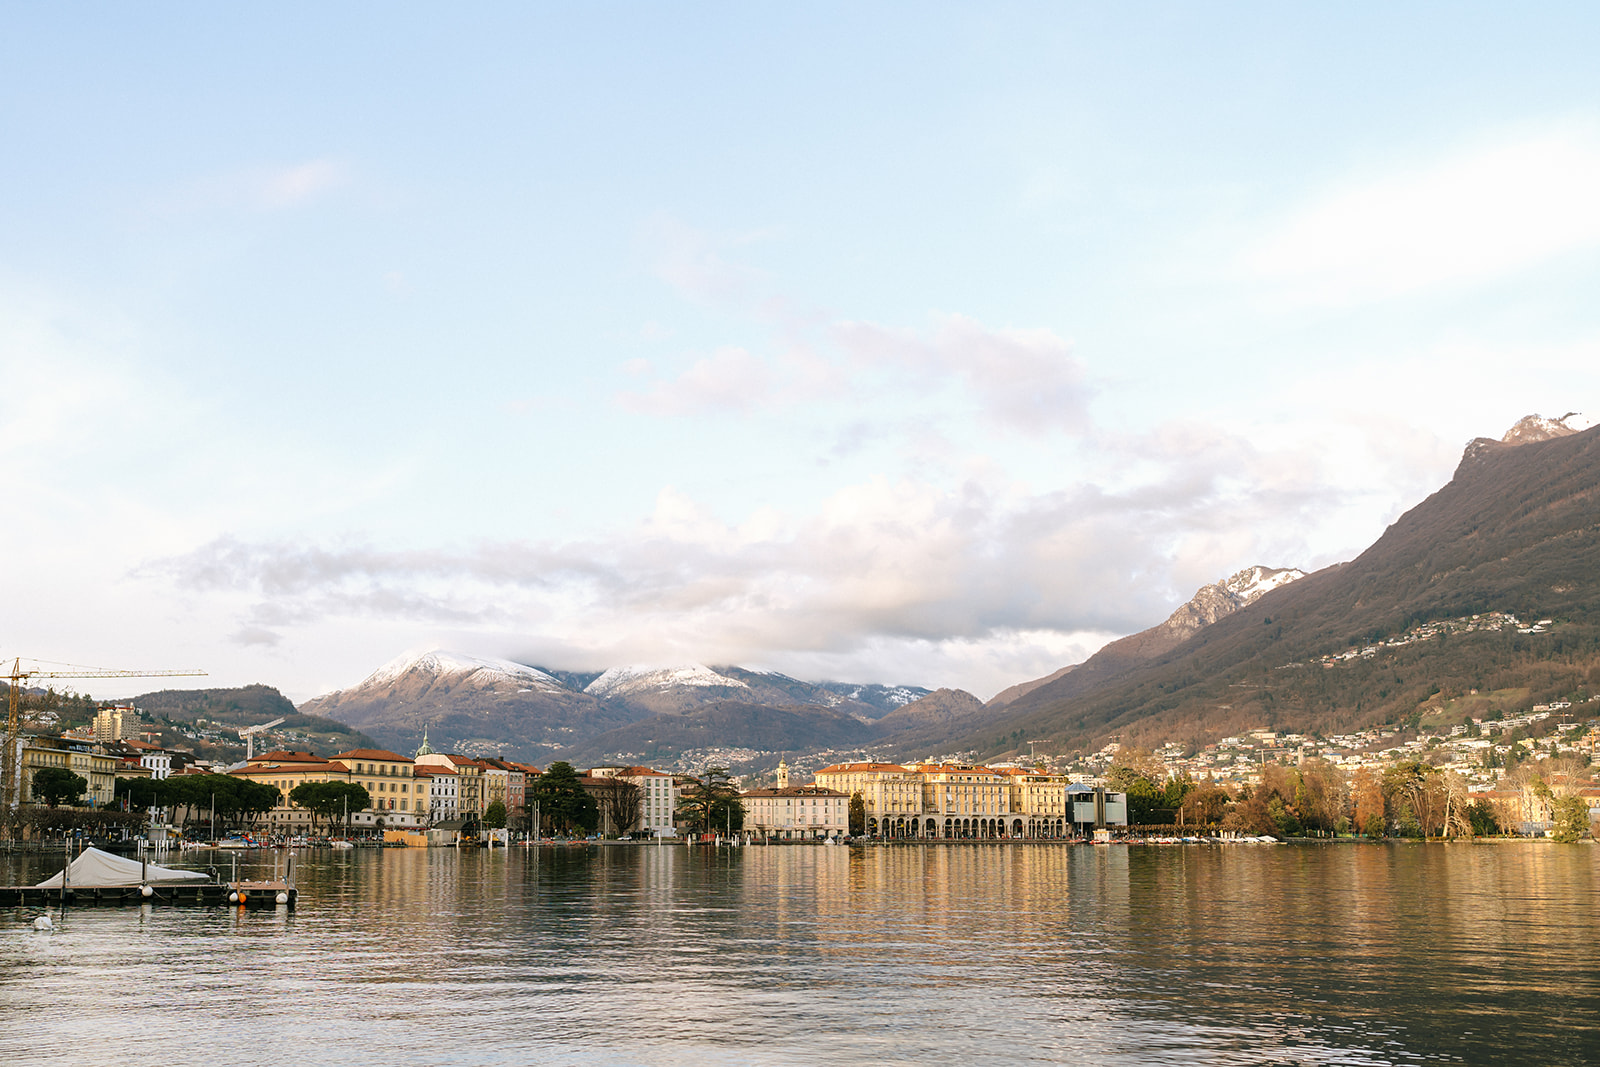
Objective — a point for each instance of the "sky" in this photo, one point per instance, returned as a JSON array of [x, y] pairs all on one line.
[[904, 343]]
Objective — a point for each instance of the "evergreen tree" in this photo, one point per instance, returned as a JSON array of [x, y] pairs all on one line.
[[494, 816], [1571, 819], [712, 803], [563, 802], [57, 785]]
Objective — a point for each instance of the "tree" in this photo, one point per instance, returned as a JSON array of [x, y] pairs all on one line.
[[563, 802], [1204, 805], [1416, 798], [140, 794], [1252, 814], [858, 814], [1321, 795], [1366, 792], [1483, 818], [1133, 774], [1457, 804], [623, 804], [494, 816], [57, 785], [327, 801], [712, 802], [1570, 819]]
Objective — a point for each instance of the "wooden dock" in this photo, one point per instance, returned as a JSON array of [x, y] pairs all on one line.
[[252, 895]]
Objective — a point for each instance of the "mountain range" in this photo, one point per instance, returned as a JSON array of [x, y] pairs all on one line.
[[499, 707], [1515, 533], [1449, 601], [643, 713]]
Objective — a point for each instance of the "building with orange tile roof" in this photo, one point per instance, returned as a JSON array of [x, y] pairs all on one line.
[[961, 801], [442, 784], [471, 791], [797, 812], [397, 801]]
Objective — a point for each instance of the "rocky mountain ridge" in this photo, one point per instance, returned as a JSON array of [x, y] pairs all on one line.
[[488, 706], [1209, 603], [1516, 531]]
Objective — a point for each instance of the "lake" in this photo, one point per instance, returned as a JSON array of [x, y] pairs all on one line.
[[973, 954]]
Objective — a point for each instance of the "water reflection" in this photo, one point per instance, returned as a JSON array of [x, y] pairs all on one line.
[[977, 954]]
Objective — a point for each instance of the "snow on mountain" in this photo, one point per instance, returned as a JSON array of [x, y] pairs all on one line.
[[895, 696], [442, 663], [1253, 582], [1538, 428], [639, 678]]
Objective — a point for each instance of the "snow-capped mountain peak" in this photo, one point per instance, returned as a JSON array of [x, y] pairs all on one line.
[[1253, 582], [639, 678], [442, 663], [1538, 428]]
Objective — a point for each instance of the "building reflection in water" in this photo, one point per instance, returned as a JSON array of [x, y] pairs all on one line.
[[920, 953]]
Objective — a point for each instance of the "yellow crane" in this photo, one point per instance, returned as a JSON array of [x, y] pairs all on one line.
[[10, 766]]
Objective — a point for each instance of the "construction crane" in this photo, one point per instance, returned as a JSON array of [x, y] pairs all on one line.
[[10, 765], [249, 735]]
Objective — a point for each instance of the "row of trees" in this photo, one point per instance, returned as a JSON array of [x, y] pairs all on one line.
[[1408, 799], [564, 805], [192, 797], [330, 802], [558, 796]]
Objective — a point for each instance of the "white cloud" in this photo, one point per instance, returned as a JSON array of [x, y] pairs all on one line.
[[1022, 379], [896, 571], [288, 186], [693, 262], [1479, 216], [265, 188], [1025, 380], [729, 380]]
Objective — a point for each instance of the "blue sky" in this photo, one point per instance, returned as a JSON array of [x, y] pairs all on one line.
[[911, 344]]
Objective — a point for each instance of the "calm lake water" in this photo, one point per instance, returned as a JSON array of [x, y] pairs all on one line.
[[1345, 954]]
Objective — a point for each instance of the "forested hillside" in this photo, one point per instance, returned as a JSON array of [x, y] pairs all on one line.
[[1516, 531]]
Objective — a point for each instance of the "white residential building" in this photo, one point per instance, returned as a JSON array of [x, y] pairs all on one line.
[[443, 791], [797, 812], [658, 797]]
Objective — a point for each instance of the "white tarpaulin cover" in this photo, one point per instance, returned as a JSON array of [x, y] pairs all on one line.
[[102, 870]]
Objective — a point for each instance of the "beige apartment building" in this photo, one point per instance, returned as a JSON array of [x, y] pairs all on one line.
[[956, 801], [797, 812], [398, 800], [891, 793], [284, 771], [658, 797], [83, 758]]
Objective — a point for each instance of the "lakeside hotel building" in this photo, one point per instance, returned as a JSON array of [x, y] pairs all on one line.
[[948, 800]]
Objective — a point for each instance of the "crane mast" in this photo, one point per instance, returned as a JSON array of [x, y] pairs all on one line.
[[11, 758]]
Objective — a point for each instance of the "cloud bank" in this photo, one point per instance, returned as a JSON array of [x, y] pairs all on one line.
[[980, 582]]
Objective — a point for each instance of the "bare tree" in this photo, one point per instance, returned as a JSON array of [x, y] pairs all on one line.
[[1457, 805], [622, 802]]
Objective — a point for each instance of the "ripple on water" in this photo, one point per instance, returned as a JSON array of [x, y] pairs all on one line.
[[840, 956]]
